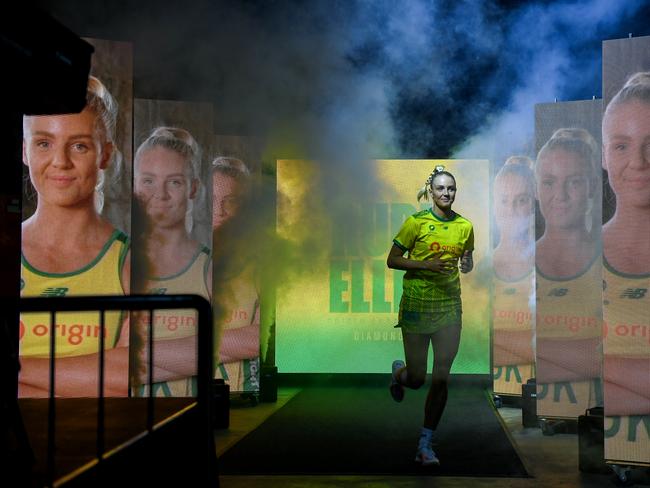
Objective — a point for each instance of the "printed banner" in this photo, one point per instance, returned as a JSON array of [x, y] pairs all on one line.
[[568, 322], [338, 316], [626, 250]]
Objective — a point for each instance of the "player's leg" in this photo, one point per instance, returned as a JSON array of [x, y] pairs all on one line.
[[413, 373], [445, 344]]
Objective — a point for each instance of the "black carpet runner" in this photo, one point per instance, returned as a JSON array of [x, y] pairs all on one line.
[[362, 431]]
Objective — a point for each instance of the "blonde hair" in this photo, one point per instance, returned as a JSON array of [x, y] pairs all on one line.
[[230, 166], [100, 101], [575, 140], [637, 87], [183, 143], [428, 185], [524, 161], [521, 166]]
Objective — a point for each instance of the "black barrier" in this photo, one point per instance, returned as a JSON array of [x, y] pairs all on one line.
[[204, 403]]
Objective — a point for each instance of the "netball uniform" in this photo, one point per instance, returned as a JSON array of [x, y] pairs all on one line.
[[179, 323], [77, 333], [241, 309], [431, 301], [569, 342], [513, 357], [626, 314]]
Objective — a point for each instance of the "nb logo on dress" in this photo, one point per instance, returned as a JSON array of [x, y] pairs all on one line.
[[634, 293], [54, 292], [558, 292]]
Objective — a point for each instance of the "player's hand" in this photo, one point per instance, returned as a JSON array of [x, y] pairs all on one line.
[[466, 262], [439, 265]]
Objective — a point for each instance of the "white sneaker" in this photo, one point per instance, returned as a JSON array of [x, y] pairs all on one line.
[[426, 456]]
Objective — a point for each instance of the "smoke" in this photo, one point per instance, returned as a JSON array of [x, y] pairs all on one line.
[[363, 78], [342, 82], [554, 49]]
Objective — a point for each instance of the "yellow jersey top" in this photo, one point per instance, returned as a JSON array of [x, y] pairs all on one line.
[[77, 333], [178, 323], [626, 313], [240, 303], [425, 235], [570, 308], [174, 324]]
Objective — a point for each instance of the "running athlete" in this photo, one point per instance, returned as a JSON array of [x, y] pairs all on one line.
[[626, 249], [513, 282], [436, 241], [167, 167], [569, 297], [238, 324], [69, 249]]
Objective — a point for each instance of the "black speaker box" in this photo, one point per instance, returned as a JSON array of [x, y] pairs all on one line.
[[269, 384], [591, 442], [529, 404], [220, 404]]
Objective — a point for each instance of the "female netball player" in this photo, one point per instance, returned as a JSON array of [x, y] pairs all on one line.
[[569, 295], [626, 249], [514, 261], [436, 240], [167, 166], [69, 249], [238, 298]]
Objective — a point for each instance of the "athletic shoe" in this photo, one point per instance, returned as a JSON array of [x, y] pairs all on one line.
[[426, 456], [396, 389]]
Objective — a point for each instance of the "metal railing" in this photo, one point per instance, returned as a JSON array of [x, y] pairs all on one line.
[[150, 303]]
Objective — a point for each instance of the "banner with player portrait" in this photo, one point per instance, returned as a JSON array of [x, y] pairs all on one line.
[[568, 258], [75, 238], [234, 175], [171, 237], [513, 279], [336, 314], [626, 249]]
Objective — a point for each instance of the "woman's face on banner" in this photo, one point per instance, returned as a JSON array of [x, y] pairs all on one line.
[[563, 188], [163, 186], [64, 156], [626, 141], [226, 197], [513, 203]]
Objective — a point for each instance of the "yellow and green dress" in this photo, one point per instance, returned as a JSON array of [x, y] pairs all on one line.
[[569, 342], [626, 314], [241, 308], [178, 323], [431, 301], [513, 322], [77, 333]]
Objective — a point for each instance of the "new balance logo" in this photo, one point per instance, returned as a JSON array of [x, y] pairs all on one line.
[[54, 292], [158, 291], [634, 293], [558, 292]]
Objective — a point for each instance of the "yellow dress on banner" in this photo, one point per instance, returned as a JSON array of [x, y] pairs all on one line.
[[242, 310], [513, 320], [177, 324], [77, 333], [626, 315], [569, 343]]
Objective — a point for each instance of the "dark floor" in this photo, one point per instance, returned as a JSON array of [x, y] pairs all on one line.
[[551, 460]]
